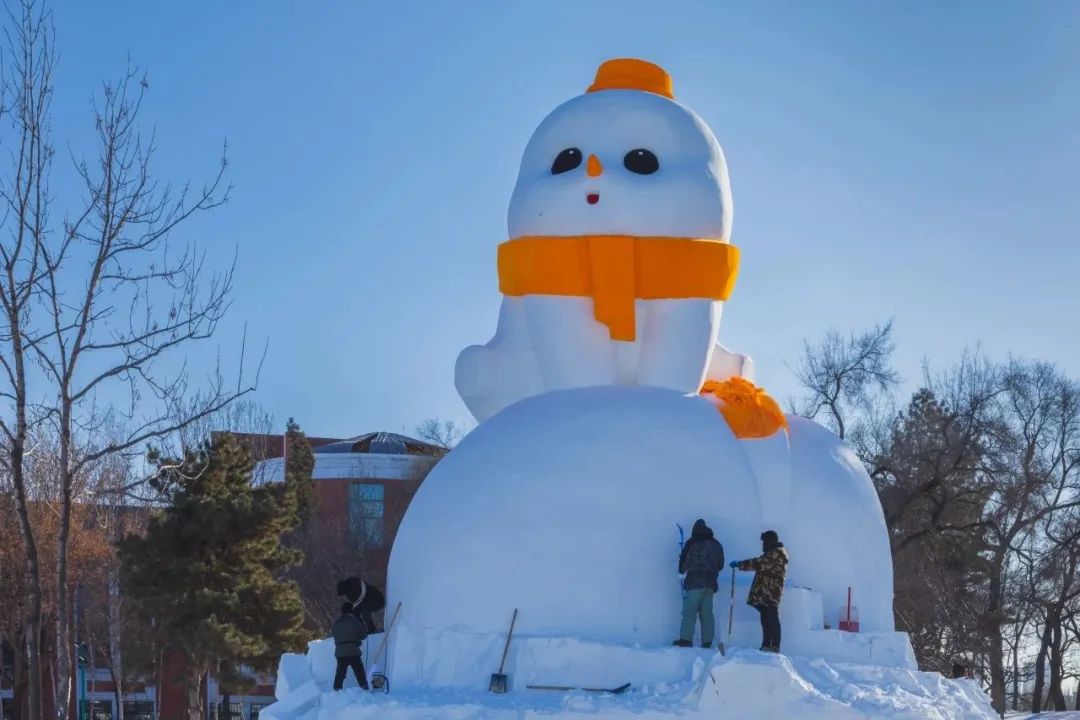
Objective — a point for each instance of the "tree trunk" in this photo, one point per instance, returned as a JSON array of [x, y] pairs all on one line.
[[194, 693], [32, 633], [18, 681], [64, 649], [1015, 659], [118, 693], [116, 658], [64, 656], [1040, 670], [997, 645], [1057, 695], [33, 619]]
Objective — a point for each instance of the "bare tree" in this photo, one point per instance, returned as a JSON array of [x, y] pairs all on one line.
[[24, 192], [96, 307], [843, 374], [441, 433]]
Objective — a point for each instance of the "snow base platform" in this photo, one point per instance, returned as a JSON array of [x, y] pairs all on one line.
[[688, 683]]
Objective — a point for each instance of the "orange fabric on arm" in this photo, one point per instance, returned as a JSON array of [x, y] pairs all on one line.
[[616, 270], [749, 411]]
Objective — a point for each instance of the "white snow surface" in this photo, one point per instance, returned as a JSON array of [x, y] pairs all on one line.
[[745, 684], [565, 506]]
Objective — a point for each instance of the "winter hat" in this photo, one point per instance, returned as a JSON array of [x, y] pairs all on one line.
[[770, 536], [633, 74], [699, 527]]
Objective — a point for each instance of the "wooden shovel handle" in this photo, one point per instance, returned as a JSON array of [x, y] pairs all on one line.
[[386, 635], [506, 647]]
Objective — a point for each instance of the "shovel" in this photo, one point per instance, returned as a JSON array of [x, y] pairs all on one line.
[[378, 680], [730, 615], [499, 680]]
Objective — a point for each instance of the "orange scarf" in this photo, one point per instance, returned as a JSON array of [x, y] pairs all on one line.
[[616, 270]]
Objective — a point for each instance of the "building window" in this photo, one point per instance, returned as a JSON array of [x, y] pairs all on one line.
[[256, 708], [235, 711], [138, 710], [97, 709], [366, 506]]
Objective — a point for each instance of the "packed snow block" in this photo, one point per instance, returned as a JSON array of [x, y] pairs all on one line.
[[321, 661], [758, 685], [892, 649], [575, 662], [294, 670], [300, 701], [456, 659], [451, 657]]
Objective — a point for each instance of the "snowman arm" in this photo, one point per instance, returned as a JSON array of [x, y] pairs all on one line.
[[726, 364]]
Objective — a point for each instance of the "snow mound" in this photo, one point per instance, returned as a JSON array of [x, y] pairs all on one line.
[[566, 506], [745, 684]]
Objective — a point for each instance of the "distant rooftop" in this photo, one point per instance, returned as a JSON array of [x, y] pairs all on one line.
[[381, 443]]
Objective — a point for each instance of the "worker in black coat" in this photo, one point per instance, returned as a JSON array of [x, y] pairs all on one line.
[[365, 598], [349, 632]]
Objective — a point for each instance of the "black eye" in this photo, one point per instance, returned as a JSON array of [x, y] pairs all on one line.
[[641, 161], [565, 161]]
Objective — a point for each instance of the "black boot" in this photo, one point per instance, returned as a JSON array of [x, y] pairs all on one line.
[[682, 643]]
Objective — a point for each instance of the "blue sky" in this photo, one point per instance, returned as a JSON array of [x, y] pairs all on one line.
[[914, 160]]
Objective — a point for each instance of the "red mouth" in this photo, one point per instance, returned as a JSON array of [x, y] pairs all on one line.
[[592, 198]]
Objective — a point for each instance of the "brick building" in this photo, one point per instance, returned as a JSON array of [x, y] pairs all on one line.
[[364, 486]]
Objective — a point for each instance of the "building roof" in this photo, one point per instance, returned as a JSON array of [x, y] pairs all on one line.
[[382, 443]]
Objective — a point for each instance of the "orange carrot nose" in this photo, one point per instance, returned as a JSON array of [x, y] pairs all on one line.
[[593, 167]]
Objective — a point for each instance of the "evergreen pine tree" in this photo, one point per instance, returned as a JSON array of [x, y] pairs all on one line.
[[208, 575], [299, 464]]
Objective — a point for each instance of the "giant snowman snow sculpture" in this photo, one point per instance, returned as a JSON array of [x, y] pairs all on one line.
[[609, 414]]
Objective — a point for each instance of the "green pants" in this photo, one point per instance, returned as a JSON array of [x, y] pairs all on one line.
[[698, 603]]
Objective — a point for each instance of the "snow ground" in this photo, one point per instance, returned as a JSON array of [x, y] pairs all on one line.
[[745, 684]]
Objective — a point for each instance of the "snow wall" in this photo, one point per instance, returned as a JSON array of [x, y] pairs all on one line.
[[565, 506]]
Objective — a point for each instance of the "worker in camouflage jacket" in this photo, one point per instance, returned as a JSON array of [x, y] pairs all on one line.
[[701, 560], [768, 587]]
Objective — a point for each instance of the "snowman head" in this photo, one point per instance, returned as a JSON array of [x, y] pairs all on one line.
[[623, 159]]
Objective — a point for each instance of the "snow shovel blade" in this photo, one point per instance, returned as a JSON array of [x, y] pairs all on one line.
[[498, 683]]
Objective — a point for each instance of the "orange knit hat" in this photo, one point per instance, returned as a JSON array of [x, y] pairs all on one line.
[[632, 74]]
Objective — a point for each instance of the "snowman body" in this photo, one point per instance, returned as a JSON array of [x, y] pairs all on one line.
[[617, 162]]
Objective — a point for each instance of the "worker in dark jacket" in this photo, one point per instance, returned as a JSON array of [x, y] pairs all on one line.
[[349, 631], [701, 560], [366, 599], [768, 587]]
